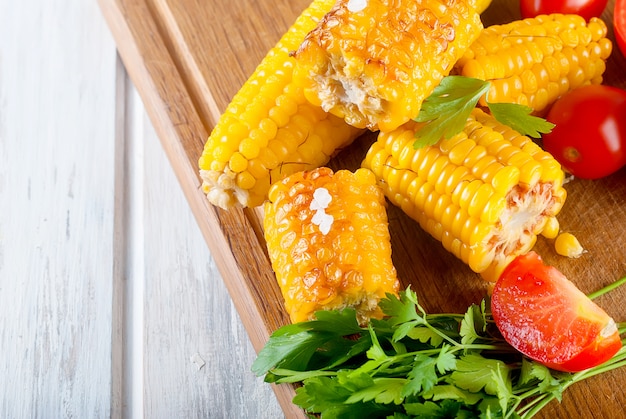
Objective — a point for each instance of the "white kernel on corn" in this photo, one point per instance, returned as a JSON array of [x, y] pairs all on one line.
[[355, 6], [321, 200], [566, 244], [323, 220]]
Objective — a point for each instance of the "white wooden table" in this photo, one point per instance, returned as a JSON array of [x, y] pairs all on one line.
[[110, 302]]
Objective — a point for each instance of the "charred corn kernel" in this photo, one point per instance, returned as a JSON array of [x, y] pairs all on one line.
[[269, 130], [535, 61], [374, 64], [485, 210], [566, 244], [328, 241]]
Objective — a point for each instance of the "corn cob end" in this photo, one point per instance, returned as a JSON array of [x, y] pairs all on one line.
[[374, 66], [222, 191], [269, 130], [485, 194]]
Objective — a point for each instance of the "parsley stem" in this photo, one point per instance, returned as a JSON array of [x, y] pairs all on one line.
[[530, 409], [608, 288], [618, 361]]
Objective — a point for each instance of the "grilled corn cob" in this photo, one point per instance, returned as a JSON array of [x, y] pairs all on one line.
[[373, 62], [328, 241], [269, 130], [485, 193], [535, 61]]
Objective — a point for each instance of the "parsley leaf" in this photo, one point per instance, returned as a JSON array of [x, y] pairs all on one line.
[[445, 409], [472, 324], [452, 392], [520, 119], [425, 335], [403, 313], [383, 390], [446, 110], [293, 346], [329, 397], [446, 360], [538, 374], [475, 373], [422, 377]]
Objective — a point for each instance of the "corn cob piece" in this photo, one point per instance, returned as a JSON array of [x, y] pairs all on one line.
[[373, 62], [485, 193], [535, 61], [269, 130], [482, 5], [328, 241]]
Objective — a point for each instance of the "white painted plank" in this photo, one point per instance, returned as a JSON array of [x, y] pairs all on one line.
[[86, 240], [197, 355], [57, 103]]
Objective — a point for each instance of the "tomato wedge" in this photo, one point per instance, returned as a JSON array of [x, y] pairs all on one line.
[[547, 318]]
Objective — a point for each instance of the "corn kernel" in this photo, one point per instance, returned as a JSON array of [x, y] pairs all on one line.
[[551, 228], [238, 162], [245, 180], [566, 244]]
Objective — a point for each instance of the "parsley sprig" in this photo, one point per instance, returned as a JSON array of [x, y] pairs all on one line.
[[446, 110], [413, 364]]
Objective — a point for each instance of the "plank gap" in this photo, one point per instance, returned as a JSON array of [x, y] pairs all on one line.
[[128, 287]]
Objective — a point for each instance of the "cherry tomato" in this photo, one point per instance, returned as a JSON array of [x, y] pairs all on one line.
[[585, 8], [619, 24], [547, 318], [589, 138]]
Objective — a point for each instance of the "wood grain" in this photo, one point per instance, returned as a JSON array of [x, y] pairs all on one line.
[[57, 200], [188, 339], [187, 58]]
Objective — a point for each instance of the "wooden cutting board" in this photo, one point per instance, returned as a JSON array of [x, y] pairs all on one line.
[[187, 58]]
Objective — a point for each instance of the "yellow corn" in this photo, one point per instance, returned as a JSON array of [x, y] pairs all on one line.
[[328, 241], [551, 229], [373, 62], [486, 193], [566, 244], [269, 130], [482, 5], [535, 61]]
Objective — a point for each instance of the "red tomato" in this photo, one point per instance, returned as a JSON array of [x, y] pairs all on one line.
[[584, 8], [619, 24], [547, 318], [589, 139]]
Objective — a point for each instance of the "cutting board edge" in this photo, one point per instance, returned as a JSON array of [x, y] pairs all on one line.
[[118, 16]]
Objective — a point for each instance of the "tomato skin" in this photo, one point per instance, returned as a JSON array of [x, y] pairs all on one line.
[[619, 25], [589, 139], [585, 8], [547, 318]]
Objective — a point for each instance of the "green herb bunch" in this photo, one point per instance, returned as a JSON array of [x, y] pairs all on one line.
[[412, 364]]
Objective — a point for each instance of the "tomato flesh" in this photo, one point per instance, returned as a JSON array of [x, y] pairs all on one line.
[[589, 138], [585, 8], [547, 318]]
